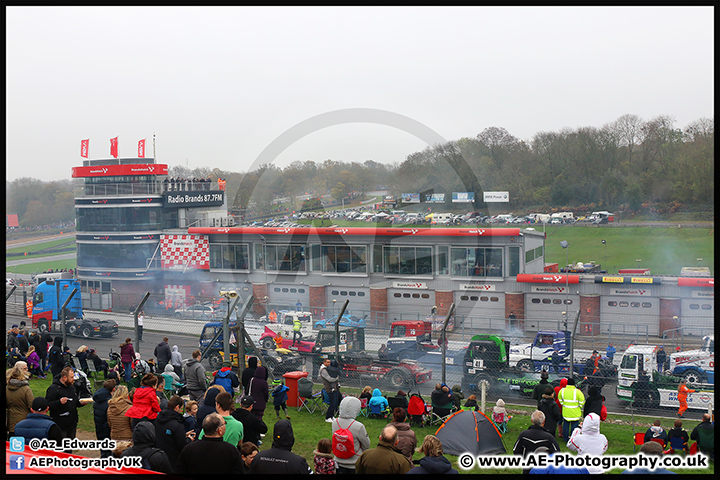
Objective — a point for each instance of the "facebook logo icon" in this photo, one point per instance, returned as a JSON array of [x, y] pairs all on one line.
[[17, 462]]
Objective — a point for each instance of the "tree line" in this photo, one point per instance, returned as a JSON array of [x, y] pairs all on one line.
[[628, 165]]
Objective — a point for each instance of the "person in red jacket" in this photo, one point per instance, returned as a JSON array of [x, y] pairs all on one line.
[[683, 391], [563, 384], [145, 401]]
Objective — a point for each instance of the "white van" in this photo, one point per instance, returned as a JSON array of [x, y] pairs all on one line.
[[442, 218]]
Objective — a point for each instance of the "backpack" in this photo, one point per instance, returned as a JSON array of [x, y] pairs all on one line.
[[343, 442], [603, 413]]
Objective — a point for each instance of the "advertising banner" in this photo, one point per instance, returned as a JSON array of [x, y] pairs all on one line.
[[547, 278], [411, 198], [119, 170], [463, 197], [696, 282], [194, 199], [496, 197], [435, 198]]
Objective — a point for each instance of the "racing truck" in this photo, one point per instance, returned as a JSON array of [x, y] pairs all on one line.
[[402, 374], [640, 382], [410, 339], [49, 298], [696, 366], [358, 367], [486, 360]]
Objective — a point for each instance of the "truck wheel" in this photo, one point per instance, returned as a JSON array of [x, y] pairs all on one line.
[[492, 386], [72, 329], [43, 327], [86, 332], [693, 376], [270, 364], [268, 343], [398, 378], [526, 365], [215, 360]]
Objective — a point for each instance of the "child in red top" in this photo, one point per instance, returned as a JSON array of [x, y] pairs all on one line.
[[145, 401]]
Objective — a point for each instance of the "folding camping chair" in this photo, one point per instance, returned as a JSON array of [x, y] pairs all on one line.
[[76, 363], [439, 414], [677, 444], [501, 420], [306, 399], [364, 407], [639, 439], [171, 387], [376, 411], [94, 375]]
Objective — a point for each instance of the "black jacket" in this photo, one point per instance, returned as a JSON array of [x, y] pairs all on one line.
[[23, 343], [252, 425], [42, 345], [550, 408], [279, 459], [144, 446], [170, 434], [594, 402], [55, 357], [66, 416], [539, 390], [534, 437], [248, 373], [208, 405], [100, 408], [209, 456], [163, 353]]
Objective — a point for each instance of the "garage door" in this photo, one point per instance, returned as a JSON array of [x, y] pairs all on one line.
[[482, 311], [630, 314], [410, 304], [544, 311], [285, 297], [697, 315], [359, 300]]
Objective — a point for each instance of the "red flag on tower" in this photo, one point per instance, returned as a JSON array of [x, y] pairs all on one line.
[[141, 148], [114, 147], [84, 147]]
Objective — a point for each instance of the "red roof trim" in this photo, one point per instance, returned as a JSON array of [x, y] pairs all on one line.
[[398, 232]]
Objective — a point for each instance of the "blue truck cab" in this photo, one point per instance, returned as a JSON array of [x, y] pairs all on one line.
[[46, 308], [50, 296]]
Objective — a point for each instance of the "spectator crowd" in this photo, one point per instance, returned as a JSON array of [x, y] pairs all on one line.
[[178, 420]]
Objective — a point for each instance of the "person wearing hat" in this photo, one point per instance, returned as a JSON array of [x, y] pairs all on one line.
[[253, 427], [279, 459], [38, 423], [539, 389]]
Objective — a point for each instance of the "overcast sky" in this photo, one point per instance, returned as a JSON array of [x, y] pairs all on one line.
[[216, 86]]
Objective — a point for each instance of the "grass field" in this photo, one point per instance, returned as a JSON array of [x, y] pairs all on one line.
[[309, 428]]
